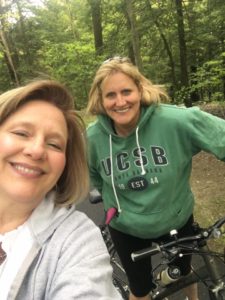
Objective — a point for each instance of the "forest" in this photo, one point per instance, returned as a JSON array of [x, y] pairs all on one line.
[[179, 44]]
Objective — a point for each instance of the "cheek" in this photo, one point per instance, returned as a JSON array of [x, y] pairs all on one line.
[[138, 96], [7, 144], [137, 100], [107, 104], [104, 103], [58, 163]]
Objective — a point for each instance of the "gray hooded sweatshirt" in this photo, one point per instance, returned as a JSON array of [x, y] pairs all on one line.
[[68, 260]]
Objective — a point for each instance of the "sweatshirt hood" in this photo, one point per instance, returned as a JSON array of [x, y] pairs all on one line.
[[106, 123], [47, 217]]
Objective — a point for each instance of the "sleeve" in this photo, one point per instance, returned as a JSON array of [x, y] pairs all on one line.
[[84, 271], [95, 179], [207, 133], [93, 161]]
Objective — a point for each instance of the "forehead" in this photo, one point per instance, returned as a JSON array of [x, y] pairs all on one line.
[[117, 79], [40, 113]]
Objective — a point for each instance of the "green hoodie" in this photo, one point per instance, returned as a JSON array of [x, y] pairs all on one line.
[[146, 174]]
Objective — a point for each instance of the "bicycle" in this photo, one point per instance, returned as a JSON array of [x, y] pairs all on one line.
[[119, 275], [211, 275]]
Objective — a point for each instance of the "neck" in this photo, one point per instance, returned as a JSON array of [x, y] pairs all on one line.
[[12, 217], [123, 130]]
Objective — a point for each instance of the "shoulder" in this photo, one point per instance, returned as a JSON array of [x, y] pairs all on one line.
[[194, 113], [79, 230], [77, 221], [176, 113], [175, 110]]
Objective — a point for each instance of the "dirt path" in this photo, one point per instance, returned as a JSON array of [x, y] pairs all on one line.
[[208, 185]]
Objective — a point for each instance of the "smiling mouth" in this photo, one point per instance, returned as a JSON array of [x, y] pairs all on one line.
[[121, 110], [24, 170]]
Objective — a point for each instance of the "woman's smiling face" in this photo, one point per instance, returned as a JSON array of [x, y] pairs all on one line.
[[32, 152], [121, 101]]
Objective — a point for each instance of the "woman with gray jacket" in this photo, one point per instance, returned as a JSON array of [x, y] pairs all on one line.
[[48, 250]]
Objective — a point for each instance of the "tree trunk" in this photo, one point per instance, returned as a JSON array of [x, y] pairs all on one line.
[[8, 58], [183, 51], [75, 33], [23, 37], [134, 33], [129, 42], [97, 24], [167, 47]]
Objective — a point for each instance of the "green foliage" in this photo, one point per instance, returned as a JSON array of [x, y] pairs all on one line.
[[209, 79], [4, 77], [56, 40], [73, 65], [182, 95]]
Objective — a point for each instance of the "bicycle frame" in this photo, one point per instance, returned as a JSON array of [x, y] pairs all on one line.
[[211, 269], [214, 271]]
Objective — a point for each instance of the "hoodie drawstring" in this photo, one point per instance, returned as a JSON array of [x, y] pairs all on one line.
[[112, 177], [143, 172]]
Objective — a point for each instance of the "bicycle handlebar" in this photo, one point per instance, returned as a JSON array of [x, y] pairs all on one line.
[[203, 235], [135, 256], [95, 197]]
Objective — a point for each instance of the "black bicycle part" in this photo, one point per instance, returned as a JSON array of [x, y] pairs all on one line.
[[199, 275], [199, 238], [119, 279], [119, 276], [212, 277]]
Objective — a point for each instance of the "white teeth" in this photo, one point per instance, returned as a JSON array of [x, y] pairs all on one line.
[[26, 170], [122, 110]]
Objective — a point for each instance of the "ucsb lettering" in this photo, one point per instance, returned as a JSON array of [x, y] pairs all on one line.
[[124, 160]]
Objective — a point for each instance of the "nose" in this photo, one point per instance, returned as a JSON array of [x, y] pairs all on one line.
[[120, 100], [35, 150]]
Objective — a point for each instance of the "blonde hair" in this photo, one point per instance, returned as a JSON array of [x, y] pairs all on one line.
[[150, 93], [73, 185]]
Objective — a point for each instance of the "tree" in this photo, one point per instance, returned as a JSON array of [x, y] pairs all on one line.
[[97, 24], [183, 51], [166, 45], [180, 48], [134, 33], [6, 47]]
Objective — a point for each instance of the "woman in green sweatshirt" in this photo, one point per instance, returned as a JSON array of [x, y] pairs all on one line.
[[140, 158]]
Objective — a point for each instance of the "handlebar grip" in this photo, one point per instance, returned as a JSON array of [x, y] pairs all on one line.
[[135, 256], [95, 197]]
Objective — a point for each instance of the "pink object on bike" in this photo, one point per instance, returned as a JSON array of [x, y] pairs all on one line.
[[111, 212]]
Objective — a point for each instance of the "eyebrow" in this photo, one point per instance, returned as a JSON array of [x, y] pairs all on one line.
[[53, 134], [110, 93]]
